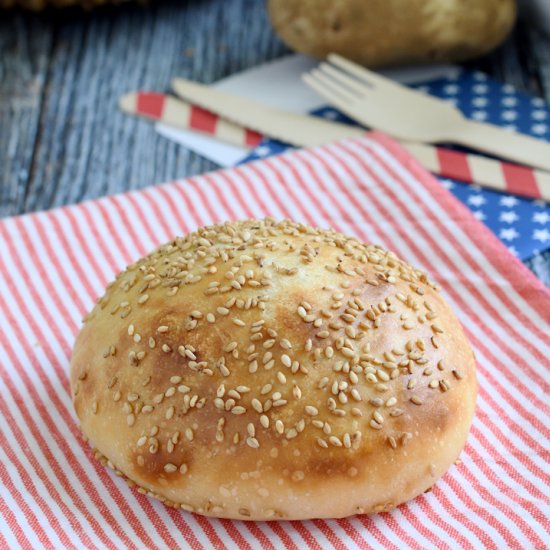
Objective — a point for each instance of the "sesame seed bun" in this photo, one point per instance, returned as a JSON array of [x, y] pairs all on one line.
[[264, 370]]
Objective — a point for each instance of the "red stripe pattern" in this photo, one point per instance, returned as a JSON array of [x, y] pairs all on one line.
[[453, 164], [150, 104], [520, 180], [202, 120], [53, 494]]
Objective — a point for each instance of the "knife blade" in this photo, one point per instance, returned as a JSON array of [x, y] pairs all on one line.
[[298, 130]]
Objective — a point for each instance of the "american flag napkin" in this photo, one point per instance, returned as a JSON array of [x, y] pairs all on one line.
[[54, 494]]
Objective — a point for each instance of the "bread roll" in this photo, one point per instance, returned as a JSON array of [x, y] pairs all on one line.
[[391, 32], [263, 370]]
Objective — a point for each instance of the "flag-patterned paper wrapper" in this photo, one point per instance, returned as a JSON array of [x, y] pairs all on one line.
[[54, 265]]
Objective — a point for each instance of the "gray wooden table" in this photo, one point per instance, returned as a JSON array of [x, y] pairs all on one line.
[[62, 139]]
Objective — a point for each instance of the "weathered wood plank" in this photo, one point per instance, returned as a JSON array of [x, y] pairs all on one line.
[[78, 145], [24, 60]]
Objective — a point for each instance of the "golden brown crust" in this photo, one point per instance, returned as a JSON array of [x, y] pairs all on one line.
[[389, 32], [267, 370]]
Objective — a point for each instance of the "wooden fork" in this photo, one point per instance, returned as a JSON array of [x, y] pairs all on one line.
[[381, 103]]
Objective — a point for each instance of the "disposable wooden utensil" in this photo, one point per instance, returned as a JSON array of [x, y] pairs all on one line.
[[177, 113], [406, 114], [467, 168]]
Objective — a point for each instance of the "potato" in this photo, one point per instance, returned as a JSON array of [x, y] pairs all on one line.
[[390, 32]]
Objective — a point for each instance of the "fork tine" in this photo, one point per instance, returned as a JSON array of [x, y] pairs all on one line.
[[344, 79], [332, 97], [334, 87], [372, 78]]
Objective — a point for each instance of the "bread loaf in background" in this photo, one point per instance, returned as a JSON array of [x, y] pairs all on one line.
[[389, 32], [267, 370]]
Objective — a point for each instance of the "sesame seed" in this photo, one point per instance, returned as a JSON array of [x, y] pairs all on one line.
[[162, 329], [285, 359], [416, 400], [292, 433], [230, 347], [311, 410], [170, 468]]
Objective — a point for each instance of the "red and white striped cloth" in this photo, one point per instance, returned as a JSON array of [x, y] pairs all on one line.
[[53, 265]]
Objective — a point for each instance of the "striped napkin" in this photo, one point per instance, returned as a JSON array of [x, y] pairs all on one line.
[[53, 265]]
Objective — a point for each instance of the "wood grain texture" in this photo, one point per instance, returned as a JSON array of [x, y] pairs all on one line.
[[62, 138]]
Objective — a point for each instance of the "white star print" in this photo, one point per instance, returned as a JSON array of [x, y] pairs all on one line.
[[541, 235], [508, 234], [508, 89], [476, 200], [539, 128], [509, 202], [539, 115], [448, 184], [513, 250], [509, 115], [537, 101], [480, 88], [450, 89], [479, 115], [509, 101], [541, 217], [480, 76], [508, 216], [263, 150], [479, 214], [480, 101]]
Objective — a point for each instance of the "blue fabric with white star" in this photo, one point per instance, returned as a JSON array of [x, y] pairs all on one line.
[[522, 225]]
